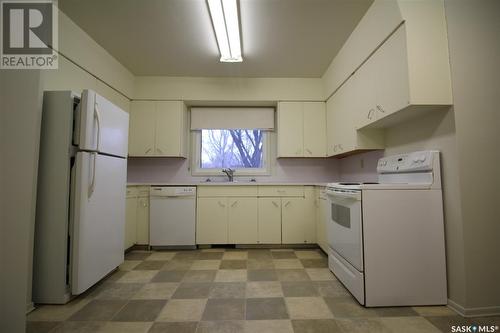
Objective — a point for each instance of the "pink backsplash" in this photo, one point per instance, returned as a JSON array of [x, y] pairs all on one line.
[[176, 170], [360, 167]]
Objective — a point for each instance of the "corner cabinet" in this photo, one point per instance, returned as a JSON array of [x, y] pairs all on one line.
[[158, 128], [301, 129], [341, 116]]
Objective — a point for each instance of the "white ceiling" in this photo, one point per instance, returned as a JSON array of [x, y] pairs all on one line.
[[281, 38]]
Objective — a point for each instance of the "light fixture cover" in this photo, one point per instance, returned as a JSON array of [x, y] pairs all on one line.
[[224, 14]]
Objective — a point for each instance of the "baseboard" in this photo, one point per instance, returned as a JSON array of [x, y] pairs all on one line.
[[474, 312], [30, 307]]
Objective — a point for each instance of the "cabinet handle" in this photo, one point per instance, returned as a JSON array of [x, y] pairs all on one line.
[[370, 114], [287, 203], [159, 150], [221, 204], [340, 147], [234, 203], [147, 151], [335, 148], [310, 152], [380, 109], [275, 204]]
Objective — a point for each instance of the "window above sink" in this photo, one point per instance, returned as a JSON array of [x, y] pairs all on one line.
[[244, 150]]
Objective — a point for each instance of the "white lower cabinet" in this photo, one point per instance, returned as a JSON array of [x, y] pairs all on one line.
[[142, 220], [130, 218], [250, 219], [211, 221], [321, 219], [297, 221], [269, 224], [242, 220], [137, 216]]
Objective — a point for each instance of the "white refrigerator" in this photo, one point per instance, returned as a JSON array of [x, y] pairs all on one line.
[[80, 216]]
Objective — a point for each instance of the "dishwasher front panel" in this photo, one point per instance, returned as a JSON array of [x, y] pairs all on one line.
[[172, 220]]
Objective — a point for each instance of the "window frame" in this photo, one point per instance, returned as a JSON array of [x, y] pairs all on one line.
[[197, 170]]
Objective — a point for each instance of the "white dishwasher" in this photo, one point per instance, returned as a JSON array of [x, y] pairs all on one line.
[[172, 216]]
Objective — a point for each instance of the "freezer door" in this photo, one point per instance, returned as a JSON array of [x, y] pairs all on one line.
[[103, 125], [98, 218]]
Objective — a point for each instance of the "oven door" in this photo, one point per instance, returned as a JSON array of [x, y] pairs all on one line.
[[344, 225]]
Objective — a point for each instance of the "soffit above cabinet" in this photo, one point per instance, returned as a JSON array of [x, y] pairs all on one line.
[[280, 38]]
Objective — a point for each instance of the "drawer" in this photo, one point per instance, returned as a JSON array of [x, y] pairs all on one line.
[[281, 191], [132, 191], [227, 191], [143, 191]]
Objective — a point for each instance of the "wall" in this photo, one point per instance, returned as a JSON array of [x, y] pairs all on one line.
[[20, 116], [175, 170], [360, 168], [474, 52], [227, 89], [83, 64]]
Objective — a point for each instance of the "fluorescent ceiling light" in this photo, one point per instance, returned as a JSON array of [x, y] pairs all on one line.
[[224, 15]]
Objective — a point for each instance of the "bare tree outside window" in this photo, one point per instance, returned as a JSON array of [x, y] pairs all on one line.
[[238, 148]]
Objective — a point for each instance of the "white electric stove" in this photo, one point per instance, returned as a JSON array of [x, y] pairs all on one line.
[[386, 239]]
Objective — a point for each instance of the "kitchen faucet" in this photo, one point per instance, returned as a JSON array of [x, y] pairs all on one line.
[[229, 173]]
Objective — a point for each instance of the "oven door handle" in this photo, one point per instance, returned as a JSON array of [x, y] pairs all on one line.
[[344, 195]]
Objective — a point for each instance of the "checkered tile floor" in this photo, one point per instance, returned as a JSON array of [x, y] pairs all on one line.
[[232, 290]]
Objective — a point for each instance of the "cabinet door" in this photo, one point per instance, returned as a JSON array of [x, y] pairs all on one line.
[[143, 220], [211, 221], [130, 222], [321, 216], [141, 128], [392, 88], [364, 86], [169, 128], [337, 129], [290, 129], [330, 125], [269, 221], [314, 114], [297, 221], [242, 220]]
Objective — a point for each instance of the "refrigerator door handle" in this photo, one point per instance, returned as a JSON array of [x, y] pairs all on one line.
[[97, 115], [92, 183]]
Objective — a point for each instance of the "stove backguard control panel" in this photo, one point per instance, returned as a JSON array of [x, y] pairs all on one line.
[[413, 162]]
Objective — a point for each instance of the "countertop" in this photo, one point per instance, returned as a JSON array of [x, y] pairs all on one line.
[[219, 183]]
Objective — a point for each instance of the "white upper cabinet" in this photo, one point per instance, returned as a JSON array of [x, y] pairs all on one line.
[[141, 129], [158, 129], [402, 71], [301, 129], [343, 112], [385, 78], [314, 129], [290, 129]]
